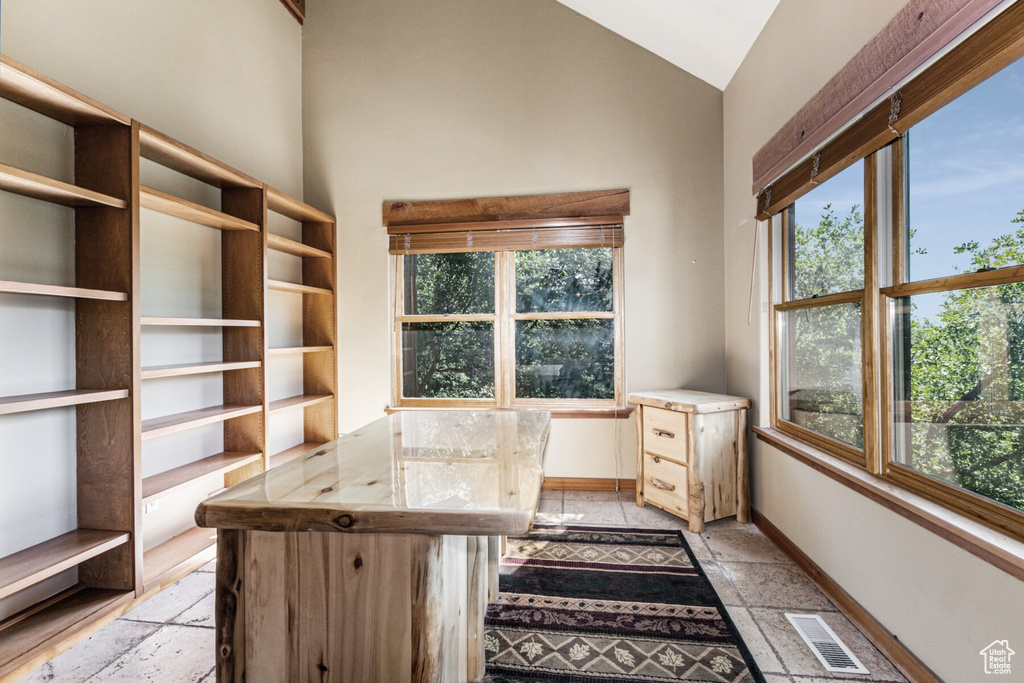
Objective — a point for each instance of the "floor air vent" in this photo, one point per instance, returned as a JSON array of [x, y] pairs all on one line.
[[832, 652]]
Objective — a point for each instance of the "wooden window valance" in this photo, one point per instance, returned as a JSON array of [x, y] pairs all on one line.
[[916, 34], [551, 221]]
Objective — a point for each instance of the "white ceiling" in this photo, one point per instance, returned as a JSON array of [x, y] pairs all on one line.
[[707, 38]]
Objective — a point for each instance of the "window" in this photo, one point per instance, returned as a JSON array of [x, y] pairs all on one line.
[[898, 289], [509, 314]]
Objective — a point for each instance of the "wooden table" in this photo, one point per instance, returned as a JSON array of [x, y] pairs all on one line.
[[396, 590]]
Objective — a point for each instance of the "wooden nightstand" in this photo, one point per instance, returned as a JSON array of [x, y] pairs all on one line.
[[692, 454]]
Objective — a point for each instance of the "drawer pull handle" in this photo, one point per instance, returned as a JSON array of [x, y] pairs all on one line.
[[662, 485], [662, 432], [656, 459]]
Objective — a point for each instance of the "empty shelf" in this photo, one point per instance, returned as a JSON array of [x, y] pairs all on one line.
[[287, 246], [41, 187], [294, 402], [197, 322], [13, 287], [32, 565], [279, 202], [171, 480], [195, 369], [282, 286], [292, 453], [39, 628], [190, 211], [31, 89], [179, 157], [58, 399], [289, 350], [164, 563], [194, 418]]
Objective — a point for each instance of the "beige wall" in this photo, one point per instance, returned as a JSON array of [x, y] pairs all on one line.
[[224, 77], [460, 98], [943, 603]]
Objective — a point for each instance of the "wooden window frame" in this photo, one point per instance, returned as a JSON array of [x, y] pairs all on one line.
[[994, 46], [504, 319]]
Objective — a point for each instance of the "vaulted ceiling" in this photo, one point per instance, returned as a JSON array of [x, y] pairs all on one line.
[[707, 38]]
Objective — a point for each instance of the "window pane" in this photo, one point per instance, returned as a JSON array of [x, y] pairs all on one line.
[[564, 280], [565, 359], [966, 168], [826, 237], [959, 376], [448, 360], [439, 284], [821, 373]]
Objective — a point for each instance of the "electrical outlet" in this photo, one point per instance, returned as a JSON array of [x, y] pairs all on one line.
[[151, 507]]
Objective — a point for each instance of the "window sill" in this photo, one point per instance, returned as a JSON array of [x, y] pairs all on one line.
[[974, 537], [556, 413]]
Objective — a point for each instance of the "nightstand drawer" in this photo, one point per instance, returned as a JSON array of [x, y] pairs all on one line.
[[665, 433], [665, 484]]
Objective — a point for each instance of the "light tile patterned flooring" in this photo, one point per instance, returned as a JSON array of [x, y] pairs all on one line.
[[170, 638]]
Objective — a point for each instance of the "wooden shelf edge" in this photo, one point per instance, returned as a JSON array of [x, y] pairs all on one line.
[[177, 156], [279, 202], [290, 350], [48, 189], [295, 288], [31, 89], [290, 246], [170, 205], [296, 402], [156, 372], [292, 453], [172, 559], [154, 321], [15, 287], [49, 558], [28, 639], [165, 483], [58, 399], [168, 424]]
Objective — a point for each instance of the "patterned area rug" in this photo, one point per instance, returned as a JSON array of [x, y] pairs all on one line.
[[588, 604]]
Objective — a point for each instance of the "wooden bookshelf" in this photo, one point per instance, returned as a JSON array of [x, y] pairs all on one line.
[[178, 422], [288, 246], [32, 565], [28, 638], [294, 402], [154, 321], [181, 370], [174, 479], [166, 563], [31, 89], [295, 350], [58, 192], [190, 211], [279, 202], [13, 287], [157, 147], [57, 399], [288, 454], [297, 288]]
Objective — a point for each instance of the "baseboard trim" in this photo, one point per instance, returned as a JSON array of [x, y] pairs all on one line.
[[883, 639], [580, 484]]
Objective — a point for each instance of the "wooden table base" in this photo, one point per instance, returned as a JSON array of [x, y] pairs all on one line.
[[312, 606]]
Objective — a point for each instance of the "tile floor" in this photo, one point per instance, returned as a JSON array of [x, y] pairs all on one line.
[[170, 638]]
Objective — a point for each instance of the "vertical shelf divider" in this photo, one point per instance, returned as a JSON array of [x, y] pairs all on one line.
[[244, 270], [107, 353]]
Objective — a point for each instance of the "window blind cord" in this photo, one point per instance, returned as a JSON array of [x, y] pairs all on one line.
[[753, 269]]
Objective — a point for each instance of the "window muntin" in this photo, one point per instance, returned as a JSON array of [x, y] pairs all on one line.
[[821, 380], [552, 336], [825, 236], [966, 170]]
